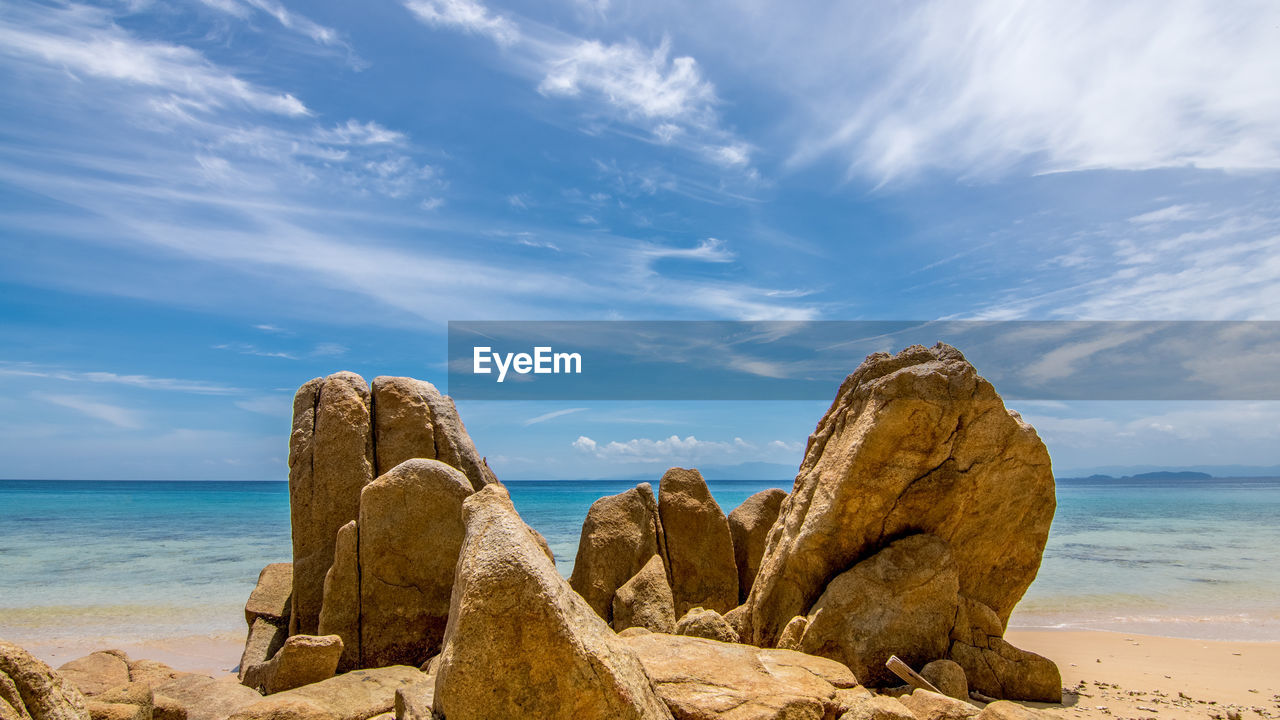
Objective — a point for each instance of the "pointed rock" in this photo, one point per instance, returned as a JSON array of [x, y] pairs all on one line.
[[645, 600], [620, 534], [700, 559], [340, 612], [414, 420], [520, 642], [749, 524]]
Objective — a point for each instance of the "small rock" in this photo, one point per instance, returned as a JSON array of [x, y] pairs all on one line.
[[706, 624]]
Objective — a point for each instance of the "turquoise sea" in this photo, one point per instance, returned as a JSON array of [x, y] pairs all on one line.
[[140, 560]]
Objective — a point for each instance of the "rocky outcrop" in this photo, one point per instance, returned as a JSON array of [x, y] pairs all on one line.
[[337, 424], [702, 623], [700, 559], [267, 612], [901, 601], [520, 642], [620, 534], [993, 666], [330, 462], [206, 698], [704, 679], [749, 525], [303, 660], [357, 695], [97, 672], [645, 600], [33, 690], [915, 442]]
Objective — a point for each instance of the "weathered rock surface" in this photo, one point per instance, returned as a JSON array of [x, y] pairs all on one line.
[[520, 642], [993, 666], [410, 531], [901, 601], [915, 442], [793, 633], [330, 462], [645, 600], [264, 640], [700, 560], [33, 688], [272, 595], [206, 698], [1005, 710], [357, 695], [704, 679], [97, 672], [927, 705], [131, 701], [947, 676], [340, 612], [413, 420], [620, 534], [152, 672], [709, 624], [283, 709], [875, 707], [304, 659], [749, 525]]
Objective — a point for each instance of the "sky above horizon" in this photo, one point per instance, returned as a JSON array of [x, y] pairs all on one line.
[[205, 203]]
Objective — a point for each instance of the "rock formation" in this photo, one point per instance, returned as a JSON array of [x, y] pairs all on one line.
[[336, 428], [267, 612], [340, 611], [620, 534], [645, 600], [749, 525], [705, 679], [357, 695], [31, 689], [520, 642], [993, 666], [303, 660], [97, 672], [700, 560], [708, 624]]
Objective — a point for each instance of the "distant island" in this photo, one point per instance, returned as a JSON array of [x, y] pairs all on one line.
[[1161, 475]]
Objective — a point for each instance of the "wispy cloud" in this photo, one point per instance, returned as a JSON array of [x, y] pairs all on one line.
[[111, 414], [290, 20], [467, 16], [551, 416], [147, 382], [688, 449]]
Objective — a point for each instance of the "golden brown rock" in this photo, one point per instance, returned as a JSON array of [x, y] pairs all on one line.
[[700, 561], [706, 680], [131, 701], [901, 601], [357, 695], [1005, 710], [283, 709], [645, 600], [702, 623], [330, 462], [793, 633], [42, 693], [520, 642], [270, 598], [166, 708], [927, 705], [264, 640], [875, 707], [947, 676], [620, 534], [749, 524], [152, 672], [206, 698], [340, 613], [915, 442], [97, 672], [303, 660], [993, 666], [410, 531], [413, 420]]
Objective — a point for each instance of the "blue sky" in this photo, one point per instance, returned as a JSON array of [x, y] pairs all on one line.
[[205, 203]]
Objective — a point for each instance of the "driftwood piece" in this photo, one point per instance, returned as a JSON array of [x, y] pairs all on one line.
[[909, 676]]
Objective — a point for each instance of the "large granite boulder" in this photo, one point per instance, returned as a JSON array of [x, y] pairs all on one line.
[[749, 524], [97, 672], [413, 420], [620, 534], [700, 559], [645, 600], [702, 679], [520, 642], [340, 612], [410, 531], [330, 462], [33, 690], [993, 666], [914, 442], [901, 601]]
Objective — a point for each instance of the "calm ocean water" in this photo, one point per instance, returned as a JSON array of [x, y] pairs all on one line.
[[138, 560]]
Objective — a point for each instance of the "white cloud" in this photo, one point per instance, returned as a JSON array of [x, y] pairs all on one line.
[[84, 41], [641, 82], [551, 416], [977, 88], [689, 450], [147, 382], [112, 414], [467, 16]]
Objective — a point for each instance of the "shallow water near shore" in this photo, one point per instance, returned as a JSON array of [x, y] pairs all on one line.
[[141, 560]]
